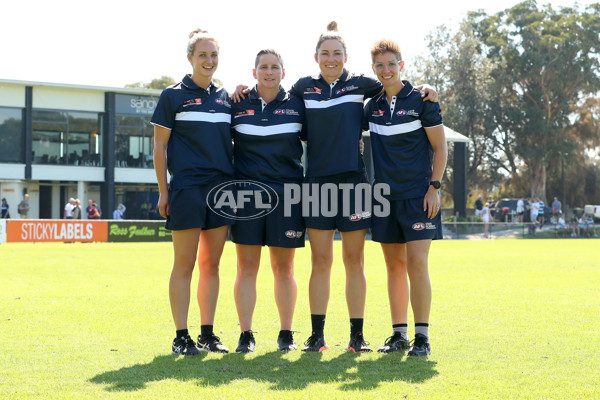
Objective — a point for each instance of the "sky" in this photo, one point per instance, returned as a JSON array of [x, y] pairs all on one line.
[[114, 43]]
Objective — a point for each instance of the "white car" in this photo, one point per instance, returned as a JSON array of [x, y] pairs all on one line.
[[594, 210]]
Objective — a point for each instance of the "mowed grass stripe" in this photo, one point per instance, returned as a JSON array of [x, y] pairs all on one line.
[[510, 319]]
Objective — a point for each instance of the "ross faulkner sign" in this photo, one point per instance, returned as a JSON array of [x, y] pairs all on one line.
[[138, 231]]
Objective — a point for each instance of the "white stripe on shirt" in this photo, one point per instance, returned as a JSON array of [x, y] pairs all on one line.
[[267, 130], [385, 130], [349, 98], [203, 116]]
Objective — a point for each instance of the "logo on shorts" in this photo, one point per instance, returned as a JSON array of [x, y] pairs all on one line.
[[359, 216], [429, 225], [293, 234], [419, 226], [229, 198]]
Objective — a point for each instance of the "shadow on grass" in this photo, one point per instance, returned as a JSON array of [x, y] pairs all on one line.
[[350, 370]]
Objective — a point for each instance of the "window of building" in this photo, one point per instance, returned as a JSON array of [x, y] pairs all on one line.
[[67, 138], [134, 143], [11, 135]]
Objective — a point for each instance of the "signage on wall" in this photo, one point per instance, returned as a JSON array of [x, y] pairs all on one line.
[[138, 231], [30, 230], [135, 105]]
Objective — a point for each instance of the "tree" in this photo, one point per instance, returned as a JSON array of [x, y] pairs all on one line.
[[545, 61], [159, 83]]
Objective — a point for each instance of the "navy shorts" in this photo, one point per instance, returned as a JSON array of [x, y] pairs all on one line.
[[351, 215], [273, 229], [189, 208], [407, 222]]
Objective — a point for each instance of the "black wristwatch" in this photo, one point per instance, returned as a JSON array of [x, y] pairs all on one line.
[[435, 184]]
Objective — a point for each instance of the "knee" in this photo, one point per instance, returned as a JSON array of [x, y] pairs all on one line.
[[283, 271]]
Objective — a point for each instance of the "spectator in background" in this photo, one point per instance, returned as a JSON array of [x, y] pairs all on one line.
[[492, 206], [118, 213], [591, 228], [520, 210], [478, 206], [77, 209], [94, 211], [68, 211], [24, 206], [5, 207], [561, 225], [541, 218], [556, 209], [486, 217], [533, 215], [151, 211], [576, 232]]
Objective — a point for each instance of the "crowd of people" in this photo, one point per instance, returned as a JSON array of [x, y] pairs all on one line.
[[195, 123]]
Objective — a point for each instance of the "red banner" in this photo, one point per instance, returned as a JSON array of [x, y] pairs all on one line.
[[46, 230]]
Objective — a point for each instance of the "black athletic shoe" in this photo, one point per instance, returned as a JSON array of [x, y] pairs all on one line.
[[397, 342], [315, 343], [246, 343], [420, 346], [184, 346], [285, 341], [211, 344], [357, 344]]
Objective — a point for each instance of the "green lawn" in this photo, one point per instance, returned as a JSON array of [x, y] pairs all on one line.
[[510, 319]]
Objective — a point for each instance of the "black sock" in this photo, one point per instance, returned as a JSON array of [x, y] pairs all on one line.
[[356, 326], [181, 332], [318, 323], [206, 330]]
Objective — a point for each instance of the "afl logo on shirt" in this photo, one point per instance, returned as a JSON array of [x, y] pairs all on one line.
[[279, 112], [401, 113], [419, 226], [340, 91]]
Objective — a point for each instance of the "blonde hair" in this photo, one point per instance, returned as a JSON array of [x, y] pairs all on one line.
[[331, 34], [197, 35], [385, 46], [268, 51]]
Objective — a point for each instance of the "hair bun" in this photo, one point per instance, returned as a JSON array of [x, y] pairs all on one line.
[[197, 30], [332, 27]]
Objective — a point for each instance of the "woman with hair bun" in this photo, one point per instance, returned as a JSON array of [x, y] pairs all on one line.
[[192, 141], [334, 107]]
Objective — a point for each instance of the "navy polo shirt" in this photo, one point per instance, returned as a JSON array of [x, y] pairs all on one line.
[[402, 153], [199, 147], [267, 141], [333, 121]]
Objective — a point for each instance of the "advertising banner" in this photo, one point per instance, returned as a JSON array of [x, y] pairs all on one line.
[[47, 230], [138, 231], [2, 230]]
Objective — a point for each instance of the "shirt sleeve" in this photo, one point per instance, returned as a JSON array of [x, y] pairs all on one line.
[[431, 115], [372, 87], [296, 89], [365, 117], [164, 114]]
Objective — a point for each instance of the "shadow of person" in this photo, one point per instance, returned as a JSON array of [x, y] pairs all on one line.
[[282, 371]]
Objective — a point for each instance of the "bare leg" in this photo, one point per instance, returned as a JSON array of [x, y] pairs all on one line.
[[353, 254], [185, 246], [398, 293], [321, 247], [282, 264], [248, 262], [418, 273], [209, 256]]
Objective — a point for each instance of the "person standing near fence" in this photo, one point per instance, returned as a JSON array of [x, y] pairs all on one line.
[[409, 155], [5, 209], [24, 207], [486, 217]]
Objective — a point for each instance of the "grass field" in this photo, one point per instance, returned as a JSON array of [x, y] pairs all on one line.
[[511, 319]]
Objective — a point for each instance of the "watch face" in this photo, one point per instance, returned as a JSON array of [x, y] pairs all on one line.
[[436, 184]]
